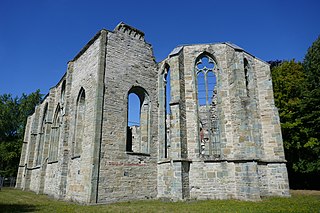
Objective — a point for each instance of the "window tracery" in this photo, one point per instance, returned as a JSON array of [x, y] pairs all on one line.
[[209, 134]]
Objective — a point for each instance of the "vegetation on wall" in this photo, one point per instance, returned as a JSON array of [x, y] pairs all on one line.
[[297, 96], [13, 118]]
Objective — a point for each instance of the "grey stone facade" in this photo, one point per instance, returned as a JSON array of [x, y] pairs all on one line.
[[221, 139]]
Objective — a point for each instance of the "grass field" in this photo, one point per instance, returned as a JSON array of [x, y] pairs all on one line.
[[12, 200]]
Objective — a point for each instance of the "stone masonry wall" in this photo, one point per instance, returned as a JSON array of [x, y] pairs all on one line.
[[68, 177], [165, 159], [84, 72], [124, 175], [214, 180], [273, 180], [241, 136], [53, 168]]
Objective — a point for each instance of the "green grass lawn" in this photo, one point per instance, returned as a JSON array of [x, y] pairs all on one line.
[[12, 200]]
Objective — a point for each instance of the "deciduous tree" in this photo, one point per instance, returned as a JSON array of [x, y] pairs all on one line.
[[13, 117]]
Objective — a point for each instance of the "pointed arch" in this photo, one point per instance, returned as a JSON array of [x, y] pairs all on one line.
[[55, 135], [167, 111], [63, 92], [42, 135], [206, 71], [167, 85], [79, 123], [246, 67], [210, 56], [164, 109]]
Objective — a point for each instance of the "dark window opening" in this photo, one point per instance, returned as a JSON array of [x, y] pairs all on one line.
[[246, 75], [63, 92]]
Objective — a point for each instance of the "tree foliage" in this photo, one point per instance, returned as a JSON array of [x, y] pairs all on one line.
[[297, 96], [311, 108], [13, 116]]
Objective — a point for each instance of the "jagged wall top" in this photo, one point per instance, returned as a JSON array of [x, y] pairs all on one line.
[[131, 31]]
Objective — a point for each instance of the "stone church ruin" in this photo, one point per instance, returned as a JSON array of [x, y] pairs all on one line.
[[207, 129]]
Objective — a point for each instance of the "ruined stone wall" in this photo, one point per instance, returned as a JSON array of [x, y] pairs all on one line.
[[49, 100], [272, 170], [191, 53], [135, 130], [126, 175], [53, 168], [233, 171], [67, 176], [40, 146], [170, 174], [273, 179], [33, 170], [22, 171], [162, 157], [84, 72], [27, 166], [213, 180]]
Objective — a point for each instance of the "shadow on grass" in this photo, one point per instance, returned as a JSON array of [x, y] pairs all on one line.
[[17, 208]]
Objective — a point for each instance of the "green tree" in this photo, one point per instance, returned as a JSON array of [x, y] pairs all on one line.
[[297, 96], [311, 109], [13, 117], [289, 82]]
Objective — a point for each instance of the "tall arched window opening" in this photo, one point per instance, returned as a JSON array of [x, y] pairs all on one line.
[[62, 97], [63, 92], [209, 134], [167, 90], [79, 123], [246, 74], [42, 136], [138, 125], [167, 111], [55, 135]]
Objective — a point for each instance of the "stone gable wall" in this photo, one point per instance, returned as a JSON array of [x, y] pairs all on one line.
[[124, 175]]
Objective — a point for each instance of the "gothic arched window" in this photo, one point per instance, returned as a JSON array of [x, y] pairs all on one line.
[[167, 111], [206, 68], [138, 125], [79, 123], [55, 135], [63, 92], [42, 136], [246, 74], [206, 71]]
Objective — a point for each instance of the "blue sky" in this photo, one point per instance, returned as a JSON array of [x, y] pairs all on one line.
[[39, 37]]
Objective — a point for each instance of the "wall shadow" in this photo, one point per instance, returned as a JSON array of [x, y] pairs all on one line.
[[17, 208]]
